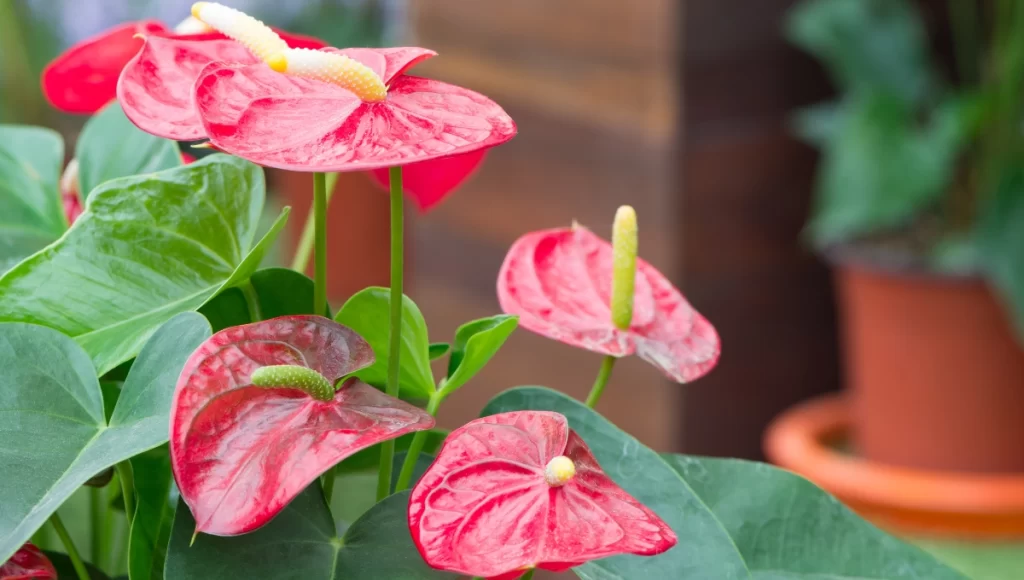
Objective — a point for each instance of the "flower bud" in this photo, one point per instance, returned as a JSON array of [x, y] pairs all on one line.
[[294, 377], [239, 26], [624, 250]]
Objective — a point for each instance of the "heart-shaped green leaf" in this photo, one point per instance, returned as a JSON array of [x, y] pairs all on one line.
[[367, 312], [147, 248], [475, 343], [734, 520], [30, 212], [154, 514], [279, 292], [110, 146], [301, 543], [54, 429]]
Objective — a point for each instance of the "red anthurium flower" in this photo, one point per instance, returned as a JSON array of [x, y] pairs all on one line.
[[84, 78], [70, 196], [521, 490], [559, 283], [28, 562], [430, 182], [255, 417]]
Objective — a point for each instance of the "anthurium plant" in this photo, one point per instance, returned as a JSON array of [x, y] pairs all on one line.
[[240, 428], [921, 164]]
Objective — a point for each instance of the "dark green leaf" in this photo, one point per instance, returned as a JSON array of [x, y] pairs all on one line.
[[110, 146], [423, 463], [438, 350], [66, 570], [751, 522], [154, 515], [1000, 242], [368, 313], [369, 458], [867, 45], [54, 429], [301, 543], [475, 343], [281, 292], [881, 169], [147, 248], [30, 209]]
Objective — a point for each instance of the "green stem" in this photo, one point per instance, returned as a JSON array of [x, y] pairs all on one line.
[[252, 301], [305, 248], [387, 450], [418, 440], [127, 477], [602, 381], [528, 575], [320, 243], [69, 546], [328, 483], [97, 511]]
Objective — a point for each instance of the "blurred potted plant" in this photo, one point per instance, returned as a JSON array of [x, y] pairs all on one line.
[[919, 208]]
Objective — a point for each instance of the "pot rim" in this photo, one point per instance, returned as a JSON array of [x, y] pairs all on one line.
[[864, 257]]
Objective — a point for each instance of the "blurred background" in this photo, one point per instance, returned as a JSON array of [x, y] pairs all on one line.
[[870, 245]]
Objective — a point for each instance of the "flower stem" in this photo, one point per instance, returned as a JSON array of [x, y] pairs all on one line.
[[602, 380], [127, 477], [387, 449], [69, 546], [97, 521], [328, 485], [409, 465], [305, 247], [320, 242], [528, 575], [252, 301]]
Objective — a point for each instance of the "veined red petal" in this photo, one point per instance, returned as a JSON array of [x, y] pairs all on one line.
[[240, 452], [307, 125], [485, 509], [155, 87], [28, 562], [559, 283], [429, 182], [84, 78]]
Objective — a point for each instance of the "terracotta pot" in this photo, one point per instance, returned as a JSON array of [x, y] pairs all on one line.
[[358, 240], [933, 370]]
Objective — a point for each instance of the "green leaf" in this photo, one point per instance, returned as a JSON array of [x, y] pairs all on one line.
[[66, 570], [301, 543], [110, 146], [369, 458], [147, 248], [54, 430], [867, 45], [1000, 243], [733, 519], [281, 292], [368, 313], [154, 515], [438, 350], [423, 463], [882, 168], [31, 215], [819, 124], [475, 343]]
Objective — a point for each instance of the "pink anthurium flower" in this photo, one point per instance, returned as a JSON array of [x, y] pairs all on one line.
[[28, 562], [521, 490], [326, 110], [255, 417], [83, 78], [559, 283]]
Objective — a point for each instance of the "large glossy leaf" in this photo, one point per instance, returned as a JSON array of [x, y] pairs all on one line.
[[301, 543], [368, 312], [240, 452], [154, 514], [147, 248], [110, 146], [30, 209], [279, 291], [475, 343], [750, 522], [55, 436]]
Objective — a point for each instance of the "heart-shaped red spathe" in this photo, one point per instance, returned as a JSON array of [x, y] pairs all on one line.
[[559, 283], [83, 79], [240, 452], [28, 562], [428, 183], [302, 124], [485, 509]]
